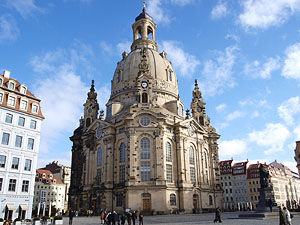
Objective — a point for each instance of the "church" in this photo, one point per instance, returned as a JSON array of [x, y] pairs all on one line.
[[146, 152]]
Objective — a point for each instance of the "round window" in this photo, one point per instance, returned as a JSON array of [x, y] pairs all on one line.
[[99, 132], [145, 121]]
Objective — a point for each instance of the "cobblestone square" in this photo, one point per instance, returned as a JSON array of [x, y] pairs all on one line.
[[190, 219]]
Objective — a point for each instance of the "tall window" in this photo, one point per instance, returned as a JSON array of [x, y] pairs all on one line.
[[99, 157], [205, 159], [11, 86], [99, 175], [192, 155], [8, 118], [18, 142], [210, 200], [145, 171], [169, 174], [27, 166], [170, 75], [25, 186], [23, 104], [23, 90], [122, 173], [35, 108], [145, 148], [172, 199], [192, 175], [11, 101], [12, 185], [15, 163], [122, 152], [168, 152], [144, 98], [21, 121], [33, 124], [5, 138], [1, 97], [2, 161], [1, 181], [119, 200], [30, 143]]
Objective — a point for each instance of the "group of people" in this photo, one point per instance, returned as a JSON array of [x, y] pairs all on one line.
[[113, 218], [285, 217]]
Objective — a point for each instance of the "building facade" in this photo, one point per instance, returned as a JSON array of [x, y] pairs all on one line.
[[226, 181], [253, 179], [297, 155], [49, 196], [64, 174], [146, 153], [20, 119]]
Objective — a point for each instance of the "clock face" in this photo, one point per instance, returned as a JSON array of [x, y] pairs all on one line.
[[90, 110], [99, 132], [199, 109], [144, 84]]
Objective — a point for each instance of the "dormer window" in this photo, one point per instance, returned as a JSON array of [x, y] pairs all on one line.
[[35, 108], [47, 181], [44, 175], [11, 101], [54, 181], [11, 86], [50, 176], [0, 81], [23, 105], [37, 174], [1, 97], [23, 89]]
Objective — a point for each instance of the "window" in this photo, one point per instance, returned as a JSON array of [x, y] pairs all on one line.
[[145, 121], [1, 97], [180, 110], [99, 157], [21, 121], [144, 98], [0, 81], [169, 173], [23, 105], [5, 138], [25, 186], [145, 171], [23, 90], [35, 108], [119, 200], [192, 175], [15, 163], [99, 175], [122, 174], [11, 101], [30, 143], [2, 161], [191, 155], [210, 200], [8, 118], [170, 75], [27, 166], [119, 76], [205, 159], [12, 185], [1, 181], [11, 86], [18, 142], [172, 199], [168, 152], [122, 152], [145, 148]]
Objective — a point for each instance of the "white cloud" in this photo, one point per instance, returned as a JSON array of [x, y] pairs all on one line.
[[297, 134], [221, 107], [264, 71], [181, 2], [273, 137], [106, 48], [232, 148], [183, 62], [24, 7], [123, 46], [291, 68], [8, 29], [157, 12], [291, 165], [219, 11], [265, 13], [233, 37], [235, 115], [217, 72], [255, 114], [288, 109]]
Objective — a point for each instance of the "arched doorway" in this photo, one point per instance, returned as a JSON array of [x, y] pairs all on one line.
[[146, 198], [195, 202]]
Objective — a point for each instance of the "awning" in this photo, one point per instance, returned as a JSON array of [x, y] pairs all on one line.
[[24, 206], [10, 206]]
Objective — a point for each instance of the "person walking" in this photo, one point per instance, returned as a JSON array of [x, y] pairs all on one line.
[[129, 218], [114, 218], [123, 219], [109, 218], [141, 218], [134, 217], [282, 217], [270, 203], [218, 215], [102, 217], [288, 216], [71, 215]]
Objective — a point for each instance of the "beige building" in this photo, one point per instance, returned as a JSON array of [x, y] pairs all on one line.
[[253, 179], [49, 192], [146, 153], [64, 174]]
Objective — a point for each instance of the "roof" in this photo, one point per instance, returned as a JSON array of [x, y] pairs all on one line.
[[143, 15], [17, 91], [54, 167], [47, 177]]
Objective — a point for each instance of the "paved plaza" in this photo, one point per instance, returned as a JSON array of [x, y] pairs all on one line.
[[228, 219]]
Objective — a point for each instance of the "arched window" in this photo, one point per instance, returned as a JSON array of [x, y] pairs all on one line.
[[149, 32], [144, 98], [88, 122], [205, 159], [210, 200], [170, 75], [145, 148], [191, 155], [99, 157], [119, 76], [168, 152], [122, 152], [172, 199]]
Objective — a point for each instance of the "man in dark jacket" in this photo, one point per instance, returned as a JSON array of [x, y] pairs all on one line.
[[129, 218], [141, 218], [218, 215], [134, 217], [71, 215], [114, 218], [123, 219]]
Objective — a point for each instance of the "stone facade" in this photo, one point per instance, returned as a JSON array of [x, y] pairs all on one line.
[[226, 181], [253, 179], [145, 154], [297, 155]]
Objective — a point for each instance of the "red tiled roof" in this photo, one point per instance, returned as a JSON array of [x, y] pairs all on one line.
[[40, 173]]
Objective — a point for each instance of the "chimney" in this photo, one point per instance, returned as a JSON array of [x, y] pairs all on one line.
[[6, 73]]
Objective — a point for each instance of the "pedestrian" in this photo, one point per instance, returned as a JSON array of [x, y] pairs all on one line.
[[282, 217], [123, 219], [141, 218], [109, 218], [218, 215], [270, 204], [102, 217], [71, 215], [7, 222], [114, 218], [288, 216], [129, 218], [134, 217]]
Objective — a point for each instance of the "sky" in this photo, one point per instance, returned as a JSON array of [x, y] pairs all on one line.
[[244, 53]]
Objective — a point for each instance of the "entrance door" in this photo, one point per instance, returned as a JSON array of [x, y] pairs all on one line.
[[146, 205], [8, 214], [195, 201], [23, 214]]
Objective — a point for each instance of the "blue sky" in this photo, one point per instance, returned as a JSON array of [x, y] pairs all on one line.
[[244, 53]]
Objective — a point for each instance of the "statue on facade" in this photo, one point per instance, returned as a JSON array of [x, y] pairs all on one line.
[[264, 177]]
